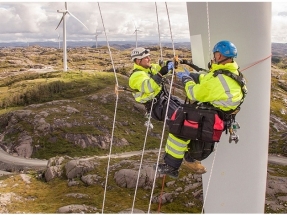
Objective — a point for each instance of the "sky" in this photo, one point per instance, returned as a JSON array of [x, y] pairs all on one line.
[[37, 21]]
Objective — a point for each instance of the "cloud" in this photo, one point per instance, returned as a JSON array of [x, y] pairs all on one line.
[[279, 22], [33, 21]]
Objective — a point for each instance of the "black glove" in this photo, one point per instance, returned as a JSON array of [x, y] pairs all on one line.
[[163, 70], [209, 65], [195, 77], [184, 61], [161, 63]]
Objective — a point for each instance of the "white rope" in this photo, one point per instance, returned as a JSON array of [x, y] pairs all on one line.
[[170, 32], [208, 31], [160, 47], [115, 113], [163, 130], [147, 130], [138, 177], [209, 179]]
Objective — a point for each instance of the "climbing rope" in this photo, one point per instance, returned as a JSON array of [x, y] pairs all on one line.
[[141, 161], [210, 56], [209, 179], [115, 113], [164, 124], [160, 197], [160, 47], [208, 31], [257, 62], [149, 118]]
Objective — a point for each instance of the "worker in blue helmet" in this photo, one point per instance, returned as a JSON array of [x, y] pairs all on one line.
[[215, 89]]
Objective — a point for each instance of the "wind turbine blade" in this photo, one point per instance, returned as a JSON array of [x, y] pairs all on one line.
[[60, 21], [77, 19], [66, 6]]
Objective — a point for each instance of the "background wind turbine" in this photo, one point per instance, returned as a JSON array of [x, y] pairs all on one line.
[[136, 32], [59, 40], [65, 12], [96, 36]]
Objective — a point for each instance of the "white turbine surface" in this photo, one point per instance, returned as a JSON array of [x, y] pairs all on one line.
[[63, 19], [237, 181]]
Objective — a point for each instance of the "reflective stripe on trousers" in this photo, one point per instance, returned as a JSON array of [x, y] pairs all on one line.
[[175, 146]]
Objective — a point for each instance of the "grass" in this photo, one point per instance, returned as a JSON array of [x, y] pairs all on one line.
[[88, 76], [36, 196], [94, 118]]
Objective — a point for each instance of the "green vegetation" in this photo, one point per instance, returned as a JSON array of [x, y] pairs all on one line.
[[90, 74], [34, 195]]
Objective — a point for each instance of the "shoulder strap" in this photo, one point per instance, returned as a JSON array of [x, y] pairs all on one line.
[[135, 70], [138, 70], [238, 78]]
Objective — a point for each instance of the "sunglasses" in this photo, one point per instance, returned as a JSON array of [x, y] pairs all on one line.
[[146, 51]]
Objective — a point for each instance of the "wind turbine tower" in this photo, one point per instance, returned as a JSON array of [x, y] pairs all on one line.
[[96, 36], [136, 32], [59, 40], [65, 12]]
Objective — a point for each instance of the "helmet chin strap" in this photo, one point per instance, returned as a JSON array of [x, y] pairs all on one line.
[[225, 59]]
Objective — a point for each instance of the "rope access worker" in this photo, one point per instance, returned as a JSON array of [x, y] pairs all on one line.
[[146, 80], [221, 92]]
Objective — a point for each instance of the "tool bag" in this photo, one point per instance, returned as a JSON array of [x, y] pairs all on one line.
[[160, 106], [196, 122]]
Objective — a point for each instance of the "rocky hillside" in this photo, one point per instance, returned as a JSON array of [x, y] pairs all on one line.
[[67, 118]]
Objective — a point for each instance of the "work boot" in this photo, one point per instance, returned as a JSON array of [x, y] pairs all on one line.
[[166, 170], [196, 167]]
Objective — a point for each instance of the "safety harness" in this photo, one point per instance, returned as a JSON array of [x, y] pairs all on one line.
[[159, 106], [238, 78], [229, 116]]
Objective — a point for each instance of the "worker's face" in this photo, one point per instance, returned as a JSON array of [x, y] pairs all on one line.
[[217, 57], [144, 62]]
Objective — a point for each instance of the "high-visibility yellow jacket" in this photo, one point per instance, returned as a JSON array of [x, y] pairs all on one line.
[[145, 88], [221, 91]]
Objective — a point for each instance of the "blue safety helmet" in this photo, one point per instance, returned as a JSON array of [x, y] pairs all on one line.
[[226, 48]]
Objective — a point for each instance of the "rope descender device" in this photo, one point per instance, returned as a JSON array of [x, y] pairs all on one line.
[[117, 89], [176, 61]]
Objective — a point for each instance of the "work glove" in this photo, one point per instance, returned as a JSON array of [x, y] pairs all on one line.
[[160, 62], [170, 65], [209, 65], [183, 61], [180, 75], [195, 77]]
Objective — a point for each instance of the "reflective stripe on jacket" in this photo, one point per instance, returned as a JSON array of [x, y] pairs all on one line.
[[221, 91], [141, 82]]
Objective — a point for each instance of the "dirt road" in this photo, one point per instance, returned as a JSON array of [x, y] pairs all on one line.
[[20, 161]]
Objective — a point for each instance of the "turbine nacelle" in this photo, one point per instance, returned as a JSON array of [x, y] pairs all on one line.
[[62, 11]]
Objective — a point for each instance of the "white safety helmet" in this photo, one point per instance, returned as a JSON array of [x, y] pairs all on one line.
[[139, 53]]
